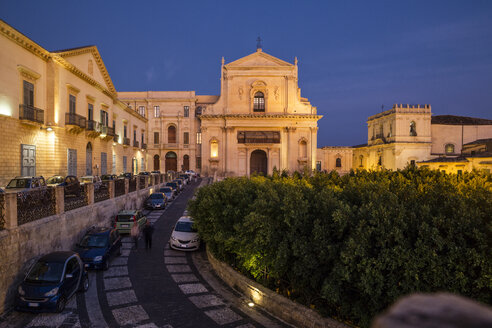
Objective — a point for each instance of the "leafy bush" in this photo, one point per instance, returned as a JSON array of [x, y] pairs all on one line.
[[350, 246]]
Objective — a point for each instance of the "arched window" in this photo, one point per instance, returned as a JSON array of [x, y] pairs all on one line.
[[303, 149], [157, 163], [413, 129], [361, 158], [449, 149], [214, 149], [338, 162], [171, 134], [259, 102]]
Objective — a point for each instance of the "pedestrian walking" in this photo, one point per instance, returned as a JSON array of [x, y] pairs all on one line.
[[147, 232], [134, 233]]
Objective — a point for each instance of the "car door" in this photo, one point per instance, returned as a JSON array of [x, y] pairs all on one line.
[[72, 276], [141, 219]]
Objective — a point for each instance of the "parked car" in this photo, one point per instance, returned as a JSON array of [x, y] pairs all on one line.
[[51, 281], [95, 179], [19, 184], [175, 187], [98, 246], [125, 220], [70, 183], [109, 177], [126, 175], [180, 183], [144, 173], [185, 177], [156, 200], [184, 236], [192, 173], [169, 192], [156, 172]]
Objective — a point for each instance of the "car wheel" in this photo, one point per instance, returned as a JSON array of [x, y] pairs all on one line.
[[60, 305], [106, 265], [84, 284]]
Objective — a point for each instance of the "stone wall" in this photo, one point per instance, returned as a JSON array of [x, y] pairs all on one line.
[[283, 308], [20, 245]]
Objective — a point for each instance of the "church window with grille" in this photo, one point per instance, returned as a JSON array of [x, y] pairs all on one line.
[[259, 102]]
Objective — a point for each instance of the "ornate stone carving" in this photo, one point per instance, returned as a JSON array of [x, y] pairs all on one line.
[[276, 93], [90, 67], [240, 92]]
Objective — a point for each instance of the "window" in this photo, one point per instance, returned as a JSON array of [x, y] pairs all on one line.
[[198, 138], [113, 165], [28, 94], [114, 126], [135, 135], [198, 111], [90, 112], [338, 162], [142, 164], [104, 118], [413, 129], [214, 149], [449, 149], [156, 138], [71, 104], [171, 134], [198, 162], [141, 110], [380, 160], [142, 139], [72, 161], [259, 102], [318, 166], [186, 111], [124, 164], [124, 131], [157, 111], [361, 158], [412, 163], [303, 149], [186, 138]]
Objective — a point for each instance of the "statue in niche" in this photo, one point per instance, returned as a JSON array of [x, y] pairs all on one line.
[[276, 92], [240, 92]]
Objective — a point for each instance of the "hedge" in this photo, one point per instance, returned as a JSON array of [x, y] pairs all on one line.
[[349, 246]]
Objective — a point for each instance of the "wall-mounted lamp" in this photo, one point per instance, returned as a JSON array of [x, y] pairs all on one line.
[[47, 128]]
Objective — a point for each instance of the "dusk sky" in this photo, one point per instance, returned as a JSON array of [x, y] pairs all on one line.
[[354, 56]]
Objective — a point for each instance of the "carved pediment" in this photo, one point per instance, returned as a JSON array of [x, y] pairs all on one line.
[[259, 59]]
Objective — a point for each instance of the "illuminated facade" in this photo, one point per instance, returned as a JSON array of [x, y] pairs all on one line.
[[59, 113]]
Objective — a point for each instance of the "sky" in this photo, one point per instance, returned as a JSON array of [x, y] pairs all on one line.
[[355, 57]]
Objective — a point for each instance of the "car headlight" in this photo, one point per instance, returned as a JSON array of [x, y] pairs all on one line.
[[195, 240], [52, 292], [174, 238], [21, 291], [98, 258]]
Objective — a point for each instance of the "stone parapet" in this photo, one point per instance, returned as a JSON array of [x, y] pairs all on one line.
[[281, 307]]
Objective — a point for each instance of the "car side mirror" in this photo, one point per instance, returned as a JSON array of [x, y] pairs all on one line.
[[69, 276]]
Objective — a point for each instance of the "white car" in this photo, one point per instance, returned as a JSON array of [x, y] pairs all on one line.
[[184, 236]]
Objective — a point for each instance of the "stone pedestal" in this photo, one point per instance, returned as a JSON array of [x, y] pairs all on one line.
[[10, 211], [59, 199], [90, 193]]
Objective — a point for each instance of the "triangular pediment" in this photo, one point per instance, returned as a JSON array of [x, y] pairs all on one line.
[[89, 61], [259, 59]]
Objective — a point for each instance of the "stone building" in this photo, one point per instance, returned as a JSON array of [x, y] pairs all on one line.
[[59, 113], [336, 158]]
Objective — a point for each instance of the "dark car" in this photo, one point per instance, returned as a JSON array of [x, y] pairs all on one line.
[[144, 173], [185, 177], [98, 246], [70, 183], [180, 183], [18, 184], [175, 187], [51, 281], [169, 192], [126, 175], [156, 172], [156, 200], [109, 177]]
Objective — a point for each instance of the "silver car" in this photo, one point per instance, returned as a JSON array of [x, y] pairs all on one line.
[[184, 236]]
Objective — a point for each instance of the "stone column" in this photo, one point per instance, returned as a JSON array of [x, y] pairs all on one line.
[[59, 200], [90, 193], [111, 188], [11, 211], [127, 186]]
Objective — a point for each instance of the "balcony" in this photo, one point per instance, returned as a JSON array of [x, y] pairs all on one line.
[[92, 128], [29, 114], [116, 138], [107, 133], [144, 146], [126, 141], [173, 145], [75, 123], [135, 144]]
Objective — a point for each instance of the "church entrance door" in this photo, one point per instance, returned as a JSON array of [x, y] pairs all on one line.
[[171, 161], [258, 162]]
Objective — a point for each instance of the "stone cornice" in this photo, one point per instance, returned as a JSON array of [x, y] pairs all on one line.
[[11, 33], [153, 100], [131, 111], [262, 116]]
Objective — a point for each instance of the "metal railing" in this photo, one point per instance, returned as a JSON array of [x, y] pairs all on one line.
[[76, 201], [101, 193], [144, 146], [92, 125], [2, 211], [119, 187], [135, 143], [75, 119], [31, 113], [132, 184], [141, 182], [126, 141], [116, 138], [107, 130], [35, 204]]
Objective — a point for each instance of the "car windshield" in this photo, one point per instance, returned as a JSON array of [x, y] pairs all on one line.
[[157, 196], [85, 180], [45, 272], [183, 226], [125, 218], [107, 177], [94, 241], [171, 184], [19, 183], [165, 189], [54, 180]]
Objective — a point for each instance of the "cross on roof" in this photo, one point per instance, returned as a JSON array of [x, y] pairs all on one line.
[[258, 43]]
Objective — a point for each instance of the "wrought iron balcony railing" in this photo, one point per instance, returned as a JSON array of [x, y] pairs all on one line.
[[116, 138], [135, 143], [107, 130], [126, 141], [75, 119], [144, 146], [31, 113], [92, 125]]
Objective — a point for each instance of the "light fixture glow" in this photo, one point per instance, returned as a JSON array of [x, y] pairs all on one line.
[[251, 304]]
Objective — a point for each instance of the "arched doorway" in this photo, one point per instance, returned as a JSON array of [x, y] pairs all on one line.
[[258, 162], [186, 163], [171, 161], [157, 164], [88, 159]]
